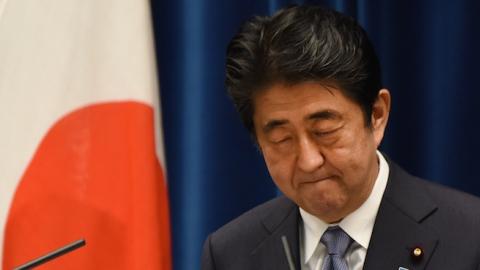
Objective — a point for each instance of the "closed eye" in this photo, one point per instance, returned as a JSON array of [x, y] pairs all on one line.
[[318, 133], [283, 140]]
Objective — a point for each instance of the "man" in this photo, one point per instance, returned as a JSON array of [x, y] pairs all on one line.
[[307, 85]]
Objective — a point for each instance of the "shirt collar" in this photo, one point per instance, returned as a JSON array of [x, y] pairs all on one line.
[[358, 224]]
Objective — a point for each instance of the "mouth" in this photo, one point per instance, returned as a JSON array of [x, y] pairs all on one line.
[[316, 180]]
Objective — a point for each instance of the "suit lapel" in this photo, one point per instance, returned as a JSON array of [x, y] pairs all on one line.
[[398, 226], [270, 254]]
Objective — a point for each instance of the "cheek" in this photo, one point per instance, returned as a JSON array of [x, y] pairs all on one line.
[[350, 161], [353, 161], [354, 146], [280, 168]]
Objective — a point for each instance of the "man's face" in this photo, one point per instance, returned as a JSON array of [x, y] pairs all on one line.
[[317, 147]]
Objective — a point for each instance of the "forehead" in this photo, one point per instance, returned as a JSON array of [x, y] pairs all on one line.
[[285, 102]]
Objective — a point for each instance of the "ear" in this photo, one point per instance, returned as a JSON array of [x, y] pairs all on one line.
[[380, 113]]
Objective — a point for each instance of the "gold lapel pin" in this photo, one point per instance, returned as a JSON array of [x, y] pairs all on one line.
[[417, 253]]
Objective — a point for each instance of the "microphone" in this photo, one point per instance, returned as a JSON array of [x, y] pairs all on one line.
[[288, 254], [52, 255]]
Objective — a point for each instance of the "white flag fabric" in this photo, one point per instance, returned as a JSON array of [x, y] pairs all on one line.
[[82, 153]]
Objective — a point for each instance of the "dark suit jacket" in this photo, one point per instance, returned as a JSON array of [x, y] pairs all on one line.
[[413, 213]]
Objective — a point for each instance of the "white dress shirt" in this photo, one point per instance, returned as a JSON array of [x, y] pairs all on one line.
[[358, 225]]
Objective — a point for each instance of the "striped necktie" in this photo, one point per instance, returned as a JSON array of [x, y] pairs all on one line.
[[337, 242]]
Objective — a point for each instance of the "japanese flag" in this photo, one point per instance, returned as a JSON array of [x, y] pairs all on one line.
[[81, 144]]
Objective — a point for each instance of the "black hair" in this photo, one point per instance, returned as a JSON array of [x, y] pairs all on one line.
[[299, 44]]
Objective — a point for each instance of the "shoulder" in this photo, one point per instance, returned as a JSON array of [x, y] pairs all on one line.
[[451, 204], [230, 246], [255, 222]]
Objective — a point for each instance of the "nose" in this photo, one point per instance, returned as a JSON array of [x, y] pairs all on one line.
[[310, 157]]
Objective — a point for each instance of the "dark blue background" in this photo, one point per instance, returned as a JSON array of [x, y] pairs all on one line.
[[429, 52]]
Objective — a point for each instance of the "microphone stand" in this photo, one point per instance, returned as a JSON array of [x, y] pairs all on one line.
[[52, 255], [288, 254]]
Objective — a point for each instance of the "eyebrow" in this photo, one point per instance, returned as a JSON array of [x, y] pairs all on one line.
[[273, 124], [324, 115], [321, 115]]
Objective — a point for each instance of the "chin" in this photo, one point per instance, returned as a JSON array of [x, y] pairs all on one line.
[[328, 210]]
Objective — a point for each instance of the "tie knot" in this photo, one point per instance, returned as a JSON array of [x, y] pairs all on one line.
[[336, 240]]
